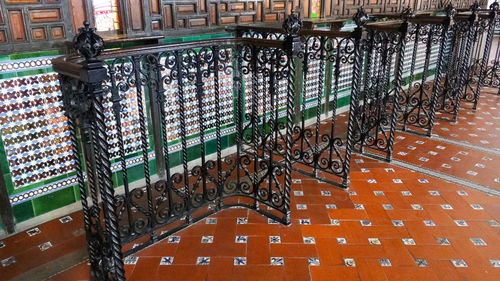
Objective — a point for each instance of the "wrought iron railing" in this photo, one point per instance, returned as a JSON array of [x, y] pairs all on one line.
[[325, 58], [482, 38], [384, 48], [418, 100], [491, 69], [95, 89], [461, 37], [184, 97]]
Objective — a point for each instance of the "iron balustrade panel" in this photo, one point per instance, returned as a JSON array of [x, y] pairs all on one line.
[[376, 113], [319, 142], [491, 76], [461, 36], [178, 95], [267, 82], [492, 70], [187, 81], [482, 35], [325, 63], [418, 99]]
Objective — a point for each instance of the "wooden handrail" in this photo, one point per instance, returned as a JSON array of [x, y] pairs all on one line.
[[305, 32], [72, 65]]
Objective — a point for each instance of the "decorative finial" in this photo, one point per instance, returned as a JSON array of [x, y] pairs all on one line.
[[292, 24], [494, 6], [407, 13], [88, 43], [450, 10], [474, 7], [361, 18]]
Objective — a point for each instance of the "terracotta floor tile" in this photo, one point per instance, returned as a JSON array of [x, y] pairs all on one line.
[[438, 252], [258, 250], [255, 229], [381, 197], [258, 273], [334, 273], [293, 250], [329, 251], [410, 273], [322, 230], [480, 274], [445, 270], [398, 253], [362, 251], [370, 269], [297, 269], [291, 234], [145, 269], [181, 273], [220, 269]]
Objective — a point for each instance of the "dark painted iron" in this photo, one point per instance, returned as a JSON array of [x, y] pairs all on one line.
[[418, 100], [482, 37], [254, 176], [456, 64], [379, 102], [317, 149], [491, 67]]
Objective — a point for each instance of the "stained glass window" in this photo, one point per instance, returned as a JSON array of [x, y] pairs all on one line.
[[106, 15]]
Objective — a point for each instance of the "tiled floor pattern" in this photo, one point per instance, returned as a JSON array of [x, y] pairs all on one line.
[[480, 127], [459, 161], [37, 246], [393, 224]]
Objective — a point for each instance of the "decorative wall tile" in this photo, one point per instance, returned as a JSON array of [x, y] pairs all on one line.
[[34, 129]]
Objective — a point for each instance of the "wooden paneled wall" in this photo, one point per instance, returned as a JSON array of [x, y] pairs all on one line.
[[35, 24]]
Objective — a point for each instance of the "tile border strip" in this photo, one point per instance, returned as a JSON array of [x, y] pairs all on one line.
[[134, 161], [445, 177], [466, 145]]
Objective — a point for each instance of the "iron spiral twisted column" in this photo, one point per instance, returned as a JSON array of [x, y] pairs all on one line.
[[361, 18], [487, 47], [90, 45], [292, 26], [436, 89]]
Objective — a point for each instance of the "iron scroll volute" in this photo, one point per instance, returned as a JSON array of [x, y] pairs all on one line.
[[88, 43]]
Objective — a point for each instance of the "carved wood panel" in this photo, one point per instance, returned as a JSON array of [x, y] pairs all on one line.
[[35, 24], [27, 25], [349, 7]]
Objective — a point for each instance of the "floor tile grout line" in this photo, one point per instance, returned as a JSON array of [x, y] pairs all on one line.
[[467, 145], [457, 143], [442, 176]]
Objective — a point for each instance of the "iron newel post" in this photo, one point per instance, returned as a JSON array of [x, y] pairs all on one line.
[[291, 26], [92, 75], [360, 18]]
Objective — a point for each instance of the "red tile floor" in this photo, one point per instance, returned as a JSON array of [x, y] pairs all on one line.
[[392, 224]]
